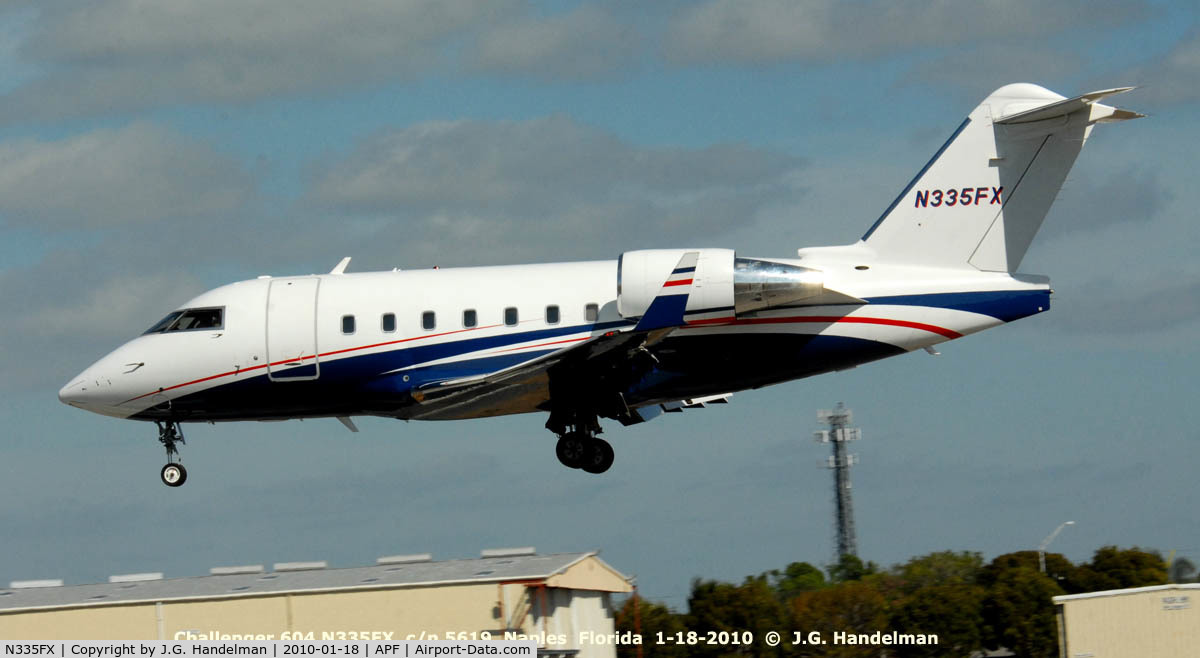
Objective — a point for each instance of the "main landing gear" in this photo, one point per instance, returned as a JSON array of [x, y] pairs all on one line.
[[578, 446], [583, 451], [169, 433]]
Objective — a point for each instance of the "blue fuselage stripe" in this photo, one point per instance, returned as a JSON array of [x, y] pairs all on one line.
[[1004, 305]]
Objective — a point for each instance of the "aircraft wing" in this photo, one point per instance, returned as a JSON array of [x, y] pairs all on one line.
[[526, 386], [520, 388]]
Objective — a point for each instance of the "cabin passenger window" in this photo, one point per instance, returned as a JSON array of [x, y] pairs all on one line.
[[192, 319], [428, 320], [510, 316], [389, 322], [591, 312], [552, 314], [347, 324], [469, 318]]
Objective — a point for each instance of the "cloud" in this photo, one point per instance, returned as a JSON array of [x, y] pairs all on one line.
[[545, 189], [770, 31], [974, 71], [1111, 308], [1127, 195], [1173, 77], [125, 54], [133, 175], [586, 43], [75, 306]]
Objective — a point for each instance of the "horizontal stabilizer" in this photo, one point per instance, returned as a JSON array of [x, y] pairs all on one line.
[[1100, 113]]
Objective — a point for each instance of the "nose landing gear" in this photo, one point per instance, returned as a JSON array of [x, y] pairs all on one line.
[[169, 433]]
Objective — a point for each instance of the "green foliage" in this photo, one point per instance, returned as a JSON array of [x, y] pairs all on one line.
[[942, 568], [967, 604], [954, 612], [850, 567], [852, 607], [1058, 568], [796, 578], [1018, 611], [1114, 568], [650, 619], [752, 606]]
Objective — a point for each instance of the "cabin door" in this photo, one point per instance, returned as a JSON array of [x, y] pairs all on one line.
[[292, 329]]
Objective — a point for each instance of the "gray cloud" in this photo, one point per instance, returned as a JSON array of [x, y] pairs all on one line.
[[589, 42], [77, 305], [133, 175], [1127, 195], [769, 31], [502, 191], [973, 72], [1173, 77], [1105, 309], [123, 54]]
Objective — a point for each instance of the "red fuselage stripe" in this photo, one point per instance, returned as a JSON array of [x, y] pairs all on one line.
[[808, 319], [306, 358], [529, 347], [831, 319]]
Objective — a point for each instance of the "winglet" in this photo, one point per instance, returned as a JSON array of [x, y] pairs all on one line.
[[340, 268], [668, 307]]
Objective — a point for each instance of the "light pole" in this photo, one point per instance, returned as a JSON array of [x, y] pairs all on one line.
[[1046, 542]]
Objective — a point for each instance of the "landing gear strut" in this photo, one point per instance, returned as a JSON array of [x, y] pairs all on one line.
[[169, 433]]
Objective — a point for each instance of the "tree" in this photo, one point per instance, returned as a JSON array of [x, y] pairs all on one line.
[[952, 612], [722, 607], [1058, 568], [850, 567], [942, 568], [1181, 570], [850, 607], [796, 578], [1018, 612], [1114, 568], [651, 619]]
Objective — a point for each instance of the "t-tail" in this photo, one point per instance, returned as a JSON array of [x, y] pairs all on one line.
[[981, 199]]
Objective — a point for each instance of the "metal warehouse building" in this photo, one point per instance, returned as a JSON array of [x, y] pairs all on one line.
[[1145, 621], [551, 598]]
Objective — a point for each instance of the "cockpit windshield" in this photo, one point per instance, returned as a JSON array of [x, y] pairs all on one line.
[[192, 319]]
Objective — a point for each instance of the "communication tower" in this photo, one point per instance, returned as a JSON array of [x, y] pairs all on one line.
[[839, 434]]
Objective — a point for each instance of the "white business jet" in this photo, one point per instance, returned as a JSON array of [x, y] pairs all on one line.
[[653, 331]]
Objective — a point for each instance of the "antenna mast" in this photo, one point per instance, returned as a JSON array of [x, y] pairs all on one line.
[[839, 433]]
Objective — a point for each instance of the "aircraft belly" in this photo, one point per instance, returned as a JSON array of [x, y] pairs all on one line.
[[692, 366]]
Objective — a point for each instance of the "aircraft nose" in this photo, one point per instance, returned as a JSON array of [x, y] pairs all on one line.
[[85, 390], [92, 390], [68, 394]]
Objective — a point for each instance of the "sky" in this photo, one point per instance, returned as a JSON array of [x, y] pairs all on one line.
[[150, 151]]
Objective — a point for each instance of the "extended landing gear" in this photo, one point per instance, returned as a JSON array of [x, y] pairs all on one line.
[[169, 433], [584, 451]]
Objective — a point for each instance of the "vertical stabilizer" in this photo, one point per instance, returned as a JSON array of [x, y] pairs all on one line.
[[982, 197]]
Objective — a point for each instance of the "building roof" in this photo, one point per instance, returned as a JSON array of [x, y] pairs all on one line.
[[1123, 592], [570, 570]]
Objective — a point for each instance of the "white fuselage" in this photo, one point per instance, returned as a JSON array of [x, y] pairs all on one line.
[[324, 345]]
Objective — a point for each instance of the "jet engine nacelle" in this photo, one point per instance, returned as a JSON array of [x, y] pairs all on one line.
[[722, 282]]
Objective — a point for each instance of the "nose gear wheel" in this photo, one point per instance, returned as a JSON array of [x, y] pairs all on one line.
[[169, 434]]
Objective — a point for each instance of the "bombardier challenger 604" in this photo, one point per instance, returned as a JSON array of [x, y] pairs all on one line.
[[626, 339]]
